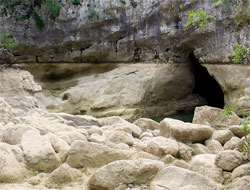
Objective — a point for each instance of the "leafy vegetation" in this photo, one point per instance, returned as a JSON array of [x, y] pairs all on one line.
[[123, 2], [199, 18], [7, 41], [226, 113], [38, 20], [93, 14], [76, 2], [239, 53], [133, 3], [53, 7], [245, 147], [216, 3], [31, 9]]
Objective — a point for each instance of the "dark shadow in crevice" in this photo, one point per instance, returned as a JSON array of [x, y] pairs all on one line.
[[205, 85]]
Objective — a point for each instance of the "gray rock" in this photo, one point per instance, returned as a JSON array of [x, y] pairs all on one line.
[[229, 159]]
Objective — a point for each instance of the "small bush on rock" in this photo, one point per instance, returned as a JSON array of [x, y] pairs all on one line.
[[199, 18], [245, 147], [7, 41], [239, 53]]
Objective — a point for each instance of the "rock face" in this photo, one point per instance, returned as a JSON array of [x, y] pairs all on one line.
[[6, 57], [124, 32], [130, 90], [17, 87], [234, 80]]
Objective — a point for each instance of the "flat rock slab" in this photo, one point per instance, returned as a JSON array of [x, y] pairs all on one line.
[[185, 132], [175, 178]]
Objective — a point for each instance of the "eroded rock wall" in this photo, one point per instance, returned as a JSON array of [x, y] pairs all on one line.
[[123, 33]]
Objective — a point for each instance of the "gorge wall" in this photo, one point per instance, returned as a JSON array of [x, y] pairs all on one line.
[[110, 31]]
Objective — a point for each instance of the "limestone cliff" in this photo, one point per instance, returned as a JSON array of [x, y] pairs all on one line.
[[120, 31]]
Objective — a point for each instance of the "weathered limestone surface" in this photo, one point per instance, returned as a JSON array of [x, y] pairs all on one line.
[[127, 90]]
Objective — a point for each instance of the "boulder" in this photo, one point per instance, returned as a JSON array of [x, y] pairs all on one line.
[[119, 136], [242, 170], [145, 124], [205, 165], [214, 146], [12, 168], [184, 152], [229, 159], [161, 146], [12, 134], [39, 153], [214, 117], [6, 57], [237, 130], [124, 172], [60, 146], [96, 138], [88, 154], [178, 178], [116, 122], [242, 183], [185, 132], [222, 136], [198, 148], [233, 143], [63, 174]]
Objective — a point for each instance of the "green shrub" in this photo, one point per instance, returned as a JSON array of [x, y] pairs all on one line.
[[53, 7], [123, 2], [93, 14], [76, 2], [216, 3], [239, 53], [226, 113], [7, 41], [133, 3], [199, 18], [38, 20], [245, 147]]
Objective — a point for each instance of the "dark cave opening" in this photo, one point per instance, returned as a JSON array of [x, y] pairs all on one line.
[[205, 85]]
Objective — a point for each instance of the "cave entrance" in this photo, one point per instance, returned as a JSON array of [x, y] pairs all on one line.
[[205, 85]]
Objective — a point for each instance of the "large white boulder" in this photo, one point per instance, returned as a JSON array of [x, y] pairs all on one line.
[[39, 153], [242, 170], [186, 132], [214, 117], [124, 172], [182, 179], [88, 154]]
